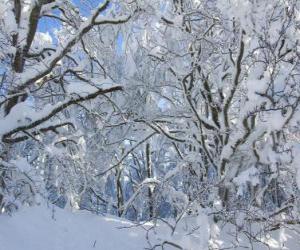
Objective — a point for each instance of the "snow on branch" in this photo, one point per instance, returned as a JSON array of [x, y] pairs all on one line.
[[16, 122]]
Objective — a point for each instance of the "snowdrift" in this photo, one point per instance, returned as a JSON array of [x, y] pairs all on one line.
[[51, 228], [42, 228]]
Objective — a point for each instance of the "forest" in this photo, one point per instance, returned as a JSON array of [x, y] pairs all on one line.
[[176, 119]]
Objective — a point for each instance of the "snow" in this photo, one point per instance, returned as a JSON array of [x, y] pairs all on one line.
[[23, 114], [21, 164], [148, 182], [47, 228], [226, 237], [42, 39], [261, 103], [178, 20], [44, 228], [51, 228], [296, 163], [249, 175], [83, 88]]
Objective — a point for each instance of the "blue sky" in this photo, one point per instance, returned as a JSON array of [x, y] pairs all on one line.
[[47, 24]]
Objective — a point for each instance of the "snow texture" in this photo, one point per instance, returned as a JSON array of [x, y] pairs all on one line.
[[51, 228]]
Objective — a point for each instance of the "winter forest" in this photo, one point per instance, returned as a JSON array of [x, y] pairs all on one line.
[[149, 124]]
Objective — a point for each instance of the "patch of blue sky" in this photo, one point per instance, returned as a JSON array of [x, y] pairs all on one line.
[[163, 6], [85, 6], [120, 44], [49, 24]]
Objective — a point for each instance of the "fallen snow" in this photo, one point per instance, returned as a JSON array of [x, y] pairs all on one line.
[[42, 228], [51, 228]]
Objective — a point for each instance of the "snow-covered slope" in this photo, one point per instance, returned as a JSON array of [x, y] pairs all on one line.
[[46, 228], [41, 228]]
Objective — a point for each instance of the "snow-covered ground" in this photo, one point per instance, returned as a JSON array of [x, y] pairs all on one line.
[[40, 228], [46, 228]]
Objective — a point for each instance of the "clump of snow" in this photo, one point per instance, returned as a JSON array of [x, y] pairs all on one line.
[[249, 175], [42, 38], [227, 237], [296, 163], [22, 114], [21, 164]]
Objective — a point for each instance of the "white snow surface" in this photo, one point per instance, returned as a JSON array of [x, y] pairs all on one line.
[[41, 228], [51, 228]]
